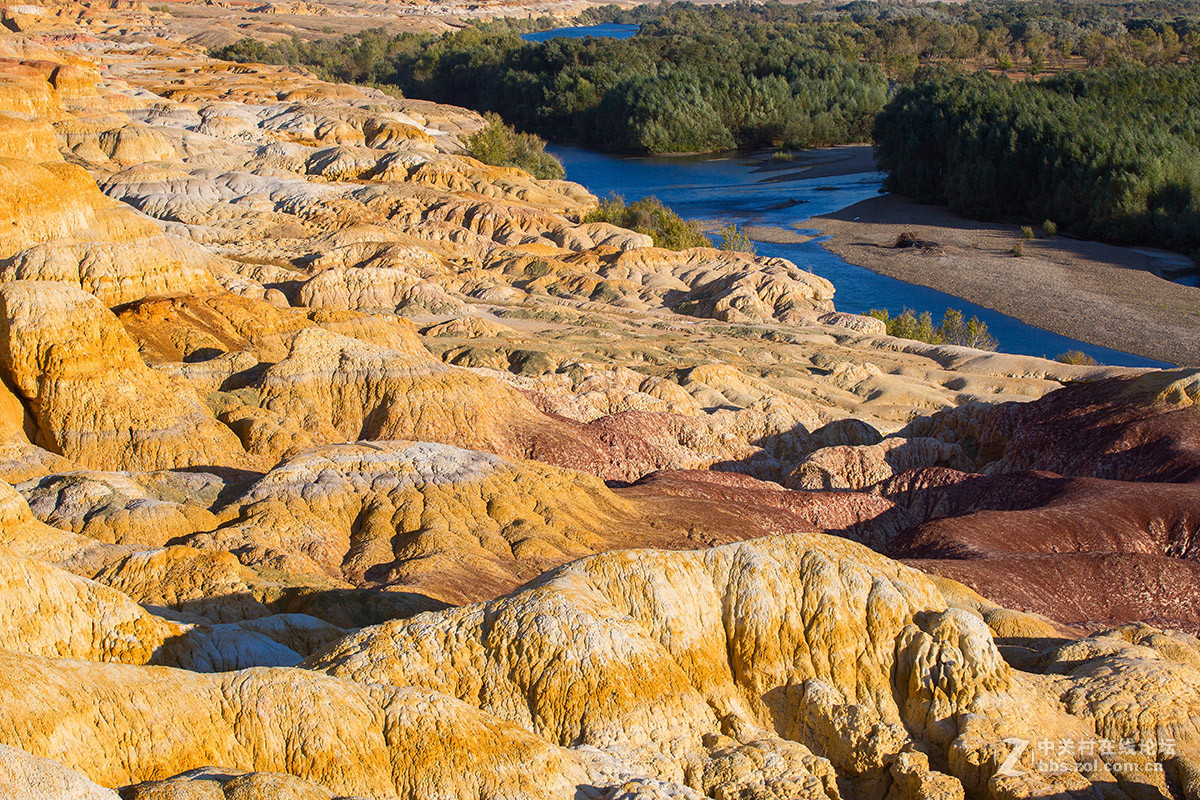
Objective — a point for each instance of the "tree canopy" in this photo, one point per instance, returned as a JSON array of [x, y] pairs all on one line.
[[1109, 153]]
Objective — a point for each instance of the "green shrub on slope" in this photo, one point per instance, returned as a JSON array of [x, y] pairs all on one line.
[[502, 146], [651, 217]]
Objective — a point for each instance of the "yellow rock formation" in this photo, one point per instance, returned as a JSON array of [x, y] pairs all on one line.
[[92, 397]]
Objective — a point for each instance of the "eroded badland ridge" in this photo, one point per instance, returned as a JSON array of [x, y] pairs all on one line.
[[338, 463]]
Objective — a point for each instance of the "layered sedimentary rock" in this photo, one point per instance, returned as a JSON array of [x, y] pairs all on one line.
[[91, 396], [347, 737], [1111, 510], [54, 613], [797, 640], [143, 509], [27, 777], [341, 464], [462, 525], [457, 523]]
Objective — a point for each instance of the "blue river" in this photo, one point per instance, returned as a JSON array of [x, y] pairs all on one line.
[[734, 188]]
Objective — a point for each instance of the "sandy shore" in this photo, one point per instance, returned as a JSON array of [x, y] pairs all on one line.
[[821, 162], [776, 235], [1099, 293]]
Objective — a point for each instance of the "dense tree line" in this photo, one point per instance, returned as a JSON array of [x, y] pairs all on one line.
[[1103, 142], [1110, 153], [369, 57], [681, 87], [1029, 36], [668, 92], [707, 78]]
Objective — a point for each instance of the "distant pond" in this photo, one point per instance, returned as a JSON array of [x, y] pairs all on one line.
[[609, 30]]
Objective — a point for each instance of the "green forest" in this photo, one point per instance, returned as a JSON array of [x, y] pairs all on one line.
[[1111, 153], [663, 91], [710, 78], [1077, 112]]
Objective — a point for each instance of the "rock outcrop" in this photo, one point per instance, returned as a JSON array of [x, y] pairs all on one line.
[[350, 738], [91, 396], [1110, 510], [814, 652]]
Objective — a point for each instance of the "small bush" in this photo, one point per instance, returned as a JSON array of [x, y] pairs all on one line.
[[1049, 228], [1076, 357], [734, 240], [502, 146], [651, 217], [973, 332], [954, 329], [1027, 233], [1017, 250], [908, 325], [783, 155]]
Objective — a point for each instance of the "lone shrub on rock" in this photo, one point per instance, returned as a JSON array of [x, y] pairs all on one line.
[[735, 241], [502, 146], [1077, 358], [651, 217]]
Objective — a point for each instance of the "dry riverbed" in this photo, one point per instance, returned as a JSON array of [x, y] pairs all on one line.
[[1099, 293]]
